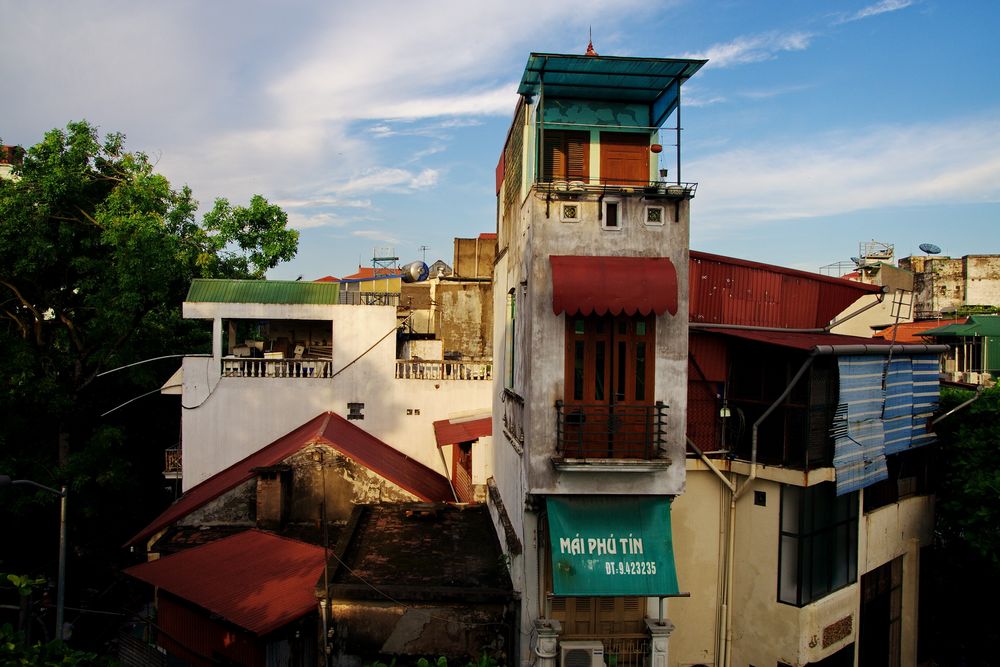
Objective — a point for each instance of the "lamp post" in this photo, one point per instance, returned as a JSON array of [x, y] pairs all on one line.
[[5, 480]]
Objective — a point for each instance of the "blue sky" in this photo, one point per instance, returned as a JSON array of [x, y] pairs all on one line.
[[377, 125]]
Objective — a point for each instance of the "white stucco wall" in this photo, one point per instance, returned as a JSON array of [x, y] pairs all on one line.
[[226, 419]]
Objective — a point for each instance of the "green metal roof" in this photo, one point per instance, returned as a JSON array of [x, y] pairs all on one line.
[[652, 81], [262, 291], [976, 325]]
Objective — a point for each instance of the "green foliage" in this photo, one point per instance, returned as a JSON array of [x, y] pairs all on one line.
[[14, 650], [24, 584], [968, 511], [97, 252]]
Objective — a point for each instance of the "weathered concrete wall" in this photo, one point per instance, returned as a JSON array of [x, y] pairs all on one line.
[[474, 258], [464, 318], [946, 283], [896, 306]]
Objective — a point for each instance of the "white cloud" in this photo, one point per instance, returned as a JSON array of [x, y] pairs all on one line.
[[881, 7], [382, 178], [843, 172], [754, 48]]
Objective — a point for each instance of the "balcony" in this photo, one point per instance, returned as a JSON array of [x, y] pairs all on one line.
[[603, 431], [650, 189], [419, 369], [243, 367]]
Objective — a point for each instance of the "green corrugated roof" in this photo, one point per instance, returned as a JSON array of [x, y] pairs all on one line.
[[262, 291], [652, 81], [976, 325]]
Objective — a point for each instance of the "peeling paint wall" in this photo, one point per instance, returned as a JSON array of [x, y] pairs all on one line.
[[464, 318], [946, 283]]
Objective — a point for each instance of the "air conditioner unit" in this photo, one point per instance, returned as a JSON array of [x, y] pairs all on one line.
[[581, 653], [951, 365]]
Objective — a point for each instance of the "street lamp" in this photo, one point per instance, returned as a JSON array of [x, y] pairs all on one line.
[[5, 480]]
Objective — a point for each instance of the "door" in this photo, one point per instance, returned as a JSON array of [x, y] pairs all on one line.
[[609, 373], [624, 158]]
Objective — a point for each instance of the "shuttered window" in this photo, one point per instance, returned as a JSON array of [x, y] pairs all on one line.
[[566, 156]]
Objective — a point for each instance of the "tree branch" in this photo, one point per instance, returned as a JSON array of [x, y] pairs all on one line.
[[29, 306]]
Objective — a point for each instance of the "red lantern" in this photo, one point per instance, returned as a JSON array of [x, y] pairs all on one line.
[[656, 148]]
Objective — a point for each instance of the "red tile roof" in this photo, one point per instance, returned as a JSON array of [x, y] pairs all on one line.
[[330, 429], [254, 579], [909, 332], [327, 279], [488, 236], [613, 285], [449, 432]]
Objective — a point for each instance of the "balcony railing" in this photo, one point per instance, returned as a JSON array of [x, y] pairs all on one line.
[[276, 368], [418, 369], [602, 431], [649, 188]]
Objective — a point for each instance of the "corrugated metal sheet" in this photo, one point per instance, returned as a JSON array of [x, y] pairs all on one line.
[[330, 429], [213, 290], [613, 285], [253, 579], [725, 290], [913, 332], [448, 432]]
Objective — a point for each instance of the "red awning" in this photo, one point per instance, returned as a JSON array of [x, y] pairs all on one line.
[[450, 432], [254, 579], [613, 285]]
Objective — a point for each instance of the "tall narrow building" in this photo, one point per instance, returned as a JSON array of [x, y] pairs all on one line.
[[591, 352]]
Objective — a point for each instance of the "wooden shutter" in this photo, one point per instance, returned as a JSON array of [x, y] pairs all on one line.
[[566, 156]]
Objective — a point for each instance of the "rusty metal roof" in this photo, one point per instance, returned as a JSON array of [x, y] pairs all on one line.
[[827, 343], [330, 429], [451, 431], [263, 291], [726, 290], [613, 285], [256, 580]]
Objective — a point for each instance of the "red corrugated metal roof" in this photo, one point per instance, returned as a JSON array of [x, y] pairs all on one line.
[[800, 341], [909, 332], [725, 290], [613, 285], [330, 429], [254, 579], [450, 432]]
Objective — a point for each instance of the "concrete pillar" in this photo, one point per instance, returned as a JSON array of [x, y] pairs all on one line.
[[547, 649], [659, 631], [217, 338]]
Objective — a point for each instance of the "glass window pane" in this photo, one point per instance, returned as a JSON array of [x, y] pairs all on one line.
[[790, 509], [611, 214], [788, 578], [640, 328], [579, 326], [620, 384]]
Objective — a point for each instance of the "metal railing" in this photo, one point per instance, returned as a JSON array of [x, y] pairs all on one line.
[[276, 368], [626, 650], [603, 431], [418, 369], [351, 298], [652, 188], [513, 415], [172, 461]]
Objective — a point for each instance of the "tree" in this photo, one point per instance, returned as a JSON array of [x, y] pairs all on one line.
[[97, 251], [967, 531]]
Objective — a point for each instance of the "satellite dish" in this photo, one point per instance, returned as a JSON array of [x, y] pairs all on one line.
[[857, 261], [930, 248]]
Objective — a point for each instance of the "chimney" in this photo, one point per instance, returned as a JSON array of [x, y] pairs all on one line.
[[274, 486]]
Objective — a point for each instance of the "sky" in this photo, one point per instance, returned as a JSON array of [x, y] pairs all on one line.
[[377, 126]]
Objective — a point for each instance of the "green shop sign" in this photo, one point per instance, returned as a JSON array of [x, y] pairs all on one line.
[[611, 546]]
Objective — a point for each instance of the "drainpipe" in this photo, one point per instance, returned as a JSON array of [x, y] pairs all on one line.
[[722, 629], [445, 464]]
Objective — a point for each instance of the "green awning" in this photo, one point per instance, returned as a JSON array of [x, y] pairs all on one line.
[[214, 290], [976, 325], [611, 545]]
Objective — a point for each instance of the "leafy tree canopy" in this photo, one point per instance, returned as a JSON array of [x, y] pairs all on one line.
[[97, 252]]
